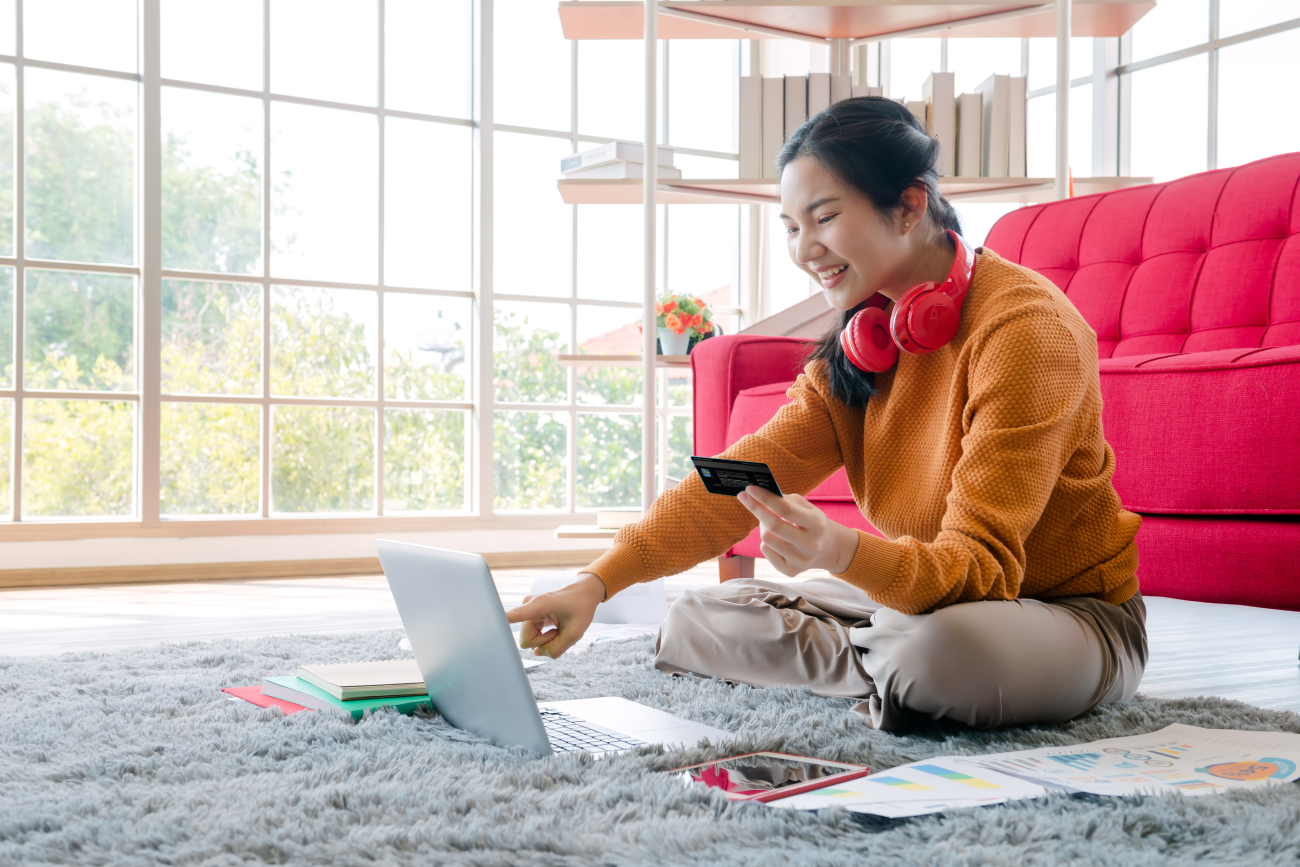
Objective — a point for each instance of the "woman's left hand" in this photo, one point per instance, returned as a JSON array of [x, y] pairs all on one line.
[[797, 535]]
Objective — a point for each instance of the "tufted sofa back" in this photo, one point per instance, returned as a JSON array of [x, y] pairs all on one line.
[[1207, 262]]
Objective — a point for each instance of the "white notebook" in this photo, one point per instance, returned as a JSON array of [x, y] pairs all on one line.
[[751, 126], [1017, 156], [941, 117], [970, 135], [819, 92], [996, 92], [796, 103]]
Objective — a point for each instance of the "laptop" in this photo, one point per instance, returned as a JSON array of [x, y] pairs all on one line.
[[475, 676]]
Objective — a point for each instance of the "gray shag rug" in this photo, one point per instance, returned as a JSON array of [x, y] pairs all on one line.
[[135, 757]]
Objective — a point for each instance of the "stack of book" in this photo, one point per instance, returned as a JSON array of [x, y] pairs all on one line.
[[354, 686], [616, 160], [980, 134], [772, 108]]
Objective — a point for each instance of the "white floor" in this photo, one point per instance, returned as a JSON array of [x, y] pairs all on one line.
[[1248, 654]]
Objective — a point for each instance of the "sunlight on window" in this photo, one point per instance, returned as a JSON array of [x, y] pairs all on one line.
[[530, 460], [424, 460], [210, 459], [609, 460], [78, 458], [322, 459]]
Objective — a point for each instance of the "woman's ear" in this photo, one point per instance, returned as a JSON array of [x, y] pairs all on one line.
[[914, 200]]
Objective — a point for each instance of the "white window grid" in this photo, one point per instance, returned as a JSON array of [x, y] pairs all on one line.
[[663, 411]]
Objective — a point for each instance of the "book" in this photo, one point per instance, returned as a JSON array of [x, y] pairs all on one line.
[[841, 88], [1017, 154], [819, 92], [996, 94], [867, 90], [773, 123], [796, 103], [970, 135], [940, 97], [299, 691], [917, 108], [253, 695], [615, 151], [623, 170], [353, 680], [751, 126]]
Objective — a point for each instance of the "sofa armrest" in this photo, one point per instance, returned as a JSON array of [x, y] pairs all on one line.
[[724, 366]]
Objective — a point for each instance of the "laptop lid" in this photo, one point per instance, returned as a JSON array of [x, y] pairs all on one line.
[[463, 644]]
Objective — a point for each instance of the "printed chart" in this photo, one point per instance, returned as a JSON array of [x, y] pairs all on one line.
[[1180, 758], [928, 786]]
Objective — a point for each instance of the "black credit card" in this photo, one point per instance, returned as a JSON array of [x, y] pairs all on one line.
[[722, 476]]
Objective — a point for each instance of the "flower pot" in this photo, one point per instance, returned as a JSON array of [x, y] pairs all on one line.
[[674, 344]]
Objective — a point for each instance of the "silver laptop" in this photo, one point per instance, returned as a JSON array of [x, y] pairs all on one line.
[[475, 676]]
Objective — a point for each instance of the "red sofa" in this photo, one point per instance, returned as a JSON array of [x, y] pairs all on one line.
[[1193, 289]]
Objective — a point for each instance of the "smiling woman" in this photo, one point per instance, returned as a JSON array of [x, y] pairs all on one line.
[[1005, 590]]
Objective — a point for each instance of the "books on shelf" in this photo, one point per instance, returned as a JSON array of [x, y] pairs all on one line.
[[917, 108], [796, 103], [773, 123], [1017, 136], [819, 92], [611, 152], [867, 90], [996, 94], [751, 126], [940, 97], [621, 170], [970, 135], [841, 88]]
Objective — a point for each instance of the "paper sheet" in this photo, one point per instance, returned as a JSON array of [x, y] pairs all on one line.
[[1179, 758], [928, 786]]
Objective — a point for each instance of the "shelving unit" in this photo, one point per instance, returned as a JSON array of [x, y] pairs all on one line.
[[856, 20], [763, 191], [838, 25], [661, 361]]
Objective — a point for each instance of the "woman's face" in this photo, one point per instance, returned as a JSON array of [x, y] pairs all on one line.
[[838, 237]]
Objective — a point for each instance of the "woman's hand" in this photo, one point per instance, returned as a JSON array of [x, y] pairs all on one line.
[[568, 610], [797, 535]]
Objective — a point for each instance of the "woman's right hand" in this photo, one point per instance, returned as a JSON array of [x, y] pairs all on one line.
[[567, 611]]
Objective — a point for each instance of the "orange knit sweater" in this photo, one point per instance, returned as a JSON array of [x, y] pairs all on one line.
[[982, 462]]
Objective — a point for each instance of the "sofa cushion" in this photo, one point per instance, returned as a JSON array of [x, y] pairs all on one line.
[[1205, 433], [1207, 262], [753, 408]]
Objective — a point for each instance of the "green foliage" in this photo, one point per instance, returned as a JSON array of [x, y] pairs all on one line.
[[425, 460], [609, 460], [211, 221], [79, 331], [525, 367], [212, 338], [318, 350], [77, 458], [323, 459], [209, 459], [529, 460], [80, 190]]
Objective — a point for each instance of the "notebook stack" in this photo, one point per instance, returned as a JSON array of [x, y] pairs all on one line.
[[616, 160], [353, 686]]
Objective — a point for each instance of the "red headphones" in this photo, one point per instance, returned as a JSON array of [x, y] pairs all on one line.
[[925, 318]]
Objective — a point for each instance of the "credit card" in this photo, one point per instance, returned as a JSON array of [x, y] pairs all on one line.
[[729, 478]]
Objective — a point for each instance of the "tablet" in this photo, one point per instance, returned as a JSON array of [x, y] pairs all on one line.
[[729, 478]]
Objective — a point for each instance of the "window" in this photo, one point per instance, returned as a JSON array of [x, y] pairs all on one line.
[[272, 308]]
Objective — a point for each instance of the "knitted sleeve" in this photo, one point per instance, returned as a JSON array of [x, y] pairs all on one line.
[[1020, 425], [687, 525]]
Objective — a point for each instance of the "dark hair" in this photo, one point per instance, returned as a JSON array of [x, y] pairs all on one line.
[[878, 147]]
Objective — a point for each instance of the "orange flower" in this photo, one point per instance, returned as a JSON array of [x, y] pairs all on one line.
[[689, 320], [659, 308], [673, 323], [669, 307], [703, 327]]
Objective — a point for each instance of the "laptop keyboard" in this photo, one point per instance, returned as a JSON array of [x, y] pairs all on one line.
[[570, 734]]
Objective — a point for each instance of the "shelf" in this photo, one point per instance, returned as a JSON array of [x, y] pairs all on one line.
[[843, 19], [670, 361], [588, 191], [583, 531]]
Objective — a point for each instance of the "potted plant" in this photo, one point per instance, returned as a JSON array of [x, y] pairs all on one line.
[[683, 321]]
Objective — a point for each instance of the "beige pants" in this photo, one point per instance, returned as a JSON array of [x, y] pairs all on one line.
[[986, 664]]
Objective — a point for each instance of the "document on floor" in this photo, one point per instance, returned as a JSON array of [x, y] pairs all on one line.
[[1178, 758], [929, 786]]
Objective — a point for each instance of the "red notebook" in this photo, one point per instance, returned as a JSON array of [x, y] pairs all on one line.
[[254, 694]]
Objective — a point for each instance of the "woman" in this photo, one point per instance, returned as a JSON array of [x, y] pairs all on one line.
[[1006, 591]]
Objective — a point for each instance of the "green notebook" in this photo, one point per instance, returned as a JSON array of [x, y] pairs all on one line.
[[299, 691]]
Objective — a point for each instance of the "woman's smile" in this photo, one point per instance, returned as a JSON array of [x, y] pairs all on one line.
[[831, 275]]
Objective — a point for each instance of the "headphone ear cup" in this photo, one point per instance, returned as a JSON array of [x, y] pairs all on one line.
[[866, 341]]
